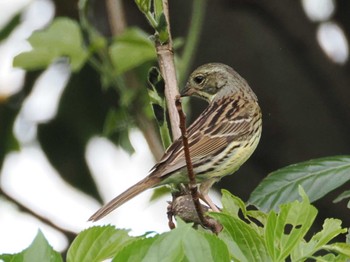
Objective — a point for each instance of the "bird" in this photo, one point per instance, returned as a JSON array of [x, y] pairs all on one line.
[[220, 140]]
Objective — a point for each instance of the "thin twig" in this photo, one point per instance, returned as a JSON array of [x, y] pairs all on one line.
[[191, 176], [167, 68], [69, 234]]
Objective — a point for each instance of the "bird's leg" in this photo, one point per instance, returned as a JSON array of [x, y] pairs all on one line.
[[209, 202], [204, 190]]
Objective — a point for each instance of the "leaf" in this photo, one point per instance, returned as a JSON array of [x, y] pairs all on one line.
[[135, 251], [341, 248], [131, 49], [39, 250], [159, 192], [117, 126], [98, 243], [61, 39], [342, 196], [286, 229], [331, 229], [143, 5], [243, 242], [318, 177], [181, 244], [233, 204]]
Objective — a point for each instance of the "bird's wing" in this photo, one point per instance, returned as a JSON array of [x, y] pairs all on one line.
[[206, 139]]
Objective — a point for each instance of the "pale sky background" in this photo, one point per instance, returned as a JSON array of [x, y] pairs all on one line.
[[28, 176]]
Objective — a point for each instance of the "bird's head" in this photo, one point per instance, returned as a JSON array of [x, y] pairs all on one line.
[[214, 81]]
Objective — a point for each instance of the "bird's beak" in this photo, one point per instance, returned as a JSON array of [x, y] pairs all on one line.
[[187, 91]]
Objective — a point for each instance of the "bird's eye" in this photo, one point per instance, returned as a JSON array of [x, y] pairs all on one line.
[[198, 79]]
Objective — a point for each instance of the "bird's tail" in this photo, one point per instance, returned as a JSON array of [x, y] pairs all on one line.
[[146, 183]]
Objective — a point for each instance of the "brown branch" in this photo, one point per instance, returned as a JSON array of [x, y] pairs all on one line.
[[209, 223], [69, 234], [167, 68], [117, 23], [116, 17]]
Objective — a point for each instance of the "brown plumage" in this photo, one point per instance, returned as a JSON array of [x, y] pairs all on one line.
[[220, 140]]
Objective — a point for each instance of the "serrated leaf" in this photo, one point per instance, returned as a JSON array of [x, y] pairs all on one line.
[[131, 49], [340, 248], [232, 204], [318, 177], [39, 250], [181, 244], [243, 242], [98, 243], [135, 251], [61, 39], [331, 229], [286, 229]]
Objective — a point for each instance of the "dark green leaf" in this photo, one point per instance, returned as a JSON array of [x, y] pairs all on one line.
[[159, 113], [9, 27], [156, 81], [98, 244], [131, 49], [162, 29], [39, 250], [61, 39], [318, 177]]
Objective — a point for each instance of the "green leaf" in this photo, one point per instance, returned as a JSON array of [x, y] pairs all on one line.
[[159, 192], [162, 29], [233, 204], [135, 251], [340, 248], [285, 230], [144, 5], [243, 242], [61, 39], [331, 229], [158, 8], [318, 177], [181, 244], [98, 243], [131, 49], [39, 250]]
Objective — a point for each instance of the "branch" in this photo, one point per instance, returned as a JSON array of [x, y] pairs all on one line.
[[167, 68], [70, 235], [213, 225], [117, 23]]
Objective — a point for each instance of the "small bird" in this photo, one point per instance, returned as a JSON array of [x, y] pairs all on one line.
[[221, 139]]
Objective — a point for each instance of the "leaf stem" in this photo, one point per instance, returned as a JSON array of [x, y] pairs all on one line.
[[192, 40]]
